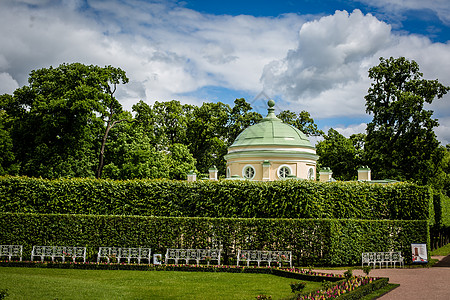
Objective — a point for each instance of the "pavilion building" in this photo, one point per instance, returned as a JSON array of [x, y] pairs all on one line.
[[271, 150]]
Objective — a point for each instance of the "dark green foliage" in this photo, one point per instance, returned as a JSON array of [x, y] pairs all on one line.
[[312, 241], [366, 270], [348, 274], [229, 199], [302, 122], [298, 286], [342, 155], [3, 293], [401, 143], [442, 210]]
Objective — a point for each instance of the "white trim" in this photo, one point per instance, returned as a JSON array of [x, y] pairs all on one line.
[[243, 171], [309, 162], [244, 149]]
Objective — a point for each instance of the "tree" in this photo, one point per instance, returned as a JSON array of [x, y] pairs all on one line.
[[56, 122], [171, 122], [8, 164], [340, 154], [130, 154], [55, 125], [302, 121], [401, 143], [108, 80], [240, 118], [206, 133]]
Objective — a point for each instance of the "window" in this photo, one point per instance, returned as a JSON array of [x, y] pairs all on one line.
[[228, 173], [284, 171], [248, 172], [311, 174]]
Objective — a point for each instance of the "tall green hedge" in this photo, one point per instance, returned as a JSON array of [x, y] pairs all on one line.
[[328, 242], [442, 210], [230, 199]]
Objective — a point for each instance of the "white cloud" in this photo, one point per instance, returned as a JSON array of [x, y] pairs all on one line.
[[166, 50], [7, 84], [440, 7], [169, 51], [443, 131], [347, 131], [327, 73]]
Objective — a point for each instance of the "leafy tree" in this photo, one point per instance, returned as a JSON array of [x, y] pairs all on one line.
[[240, 118], [301, 121], [340, 154], [358, 140], [181, 161], [8, 164], [56, 120], [108, 79], [171, 122], [401, 143], [207, 132], [130, 154]]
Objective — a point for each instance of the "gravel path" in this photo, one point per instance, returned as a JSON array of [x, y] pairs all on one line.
[[416, 283]]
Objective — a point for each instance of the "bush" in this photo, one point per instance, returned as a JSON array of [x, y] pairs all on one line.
[[330, 242], [297, 287], [221, 199], [3, 293]]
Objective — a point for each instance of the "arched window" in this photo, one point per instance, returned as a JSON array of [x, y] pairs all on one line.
[[248, 172], [284, 171], [311, 174]]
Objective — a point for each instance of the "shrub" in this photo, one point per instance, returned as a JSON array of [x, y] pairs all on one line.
[[330, 242], [297, 287], [221, 199]]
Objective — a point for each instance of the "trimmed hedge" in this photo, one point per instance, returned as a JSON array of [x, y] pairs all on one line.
[[229, 199], [329, 242], [442, 210]]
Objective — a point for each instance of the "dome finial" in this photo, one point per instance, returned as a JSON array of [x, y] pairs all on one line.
[[271, 103]]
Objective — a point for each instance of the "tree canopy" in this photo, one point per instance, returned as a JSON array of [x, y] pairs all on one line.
[[401, 143], [68, 123], [343, 155]]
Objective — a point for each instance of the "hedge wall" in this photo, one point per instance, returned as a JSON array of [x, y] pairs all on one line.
[[231, 199], [328, 242], [442, 210]]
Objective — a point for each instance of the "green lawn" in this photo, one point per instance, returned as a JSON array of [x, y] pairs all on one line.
[[443, 251], [41, 283]]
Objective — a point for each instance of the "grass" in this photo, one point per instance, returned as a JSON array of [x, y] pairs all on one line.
[[40, 283], [443, 251]]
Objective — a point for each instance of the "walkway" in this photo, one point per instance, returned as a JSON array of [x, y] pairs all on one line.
[[416, 283]]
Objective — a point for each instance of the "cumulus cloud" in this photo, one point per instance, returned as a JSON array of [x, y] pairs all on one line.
[[7, 84], [166, 50], [398, 7], [171, 52], [328, 68], [443, 131], [327, 73]]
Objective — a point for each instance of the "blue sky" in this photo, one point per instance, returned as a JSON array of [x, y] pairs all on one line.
[[307, 55]]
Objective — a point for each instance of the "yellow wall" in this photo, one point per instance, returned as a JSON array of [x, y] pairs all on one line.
[[299, 167]]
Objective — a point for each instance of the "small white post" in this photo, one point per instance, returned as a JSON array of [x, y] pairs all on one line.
[[191, 176], [213, 173]]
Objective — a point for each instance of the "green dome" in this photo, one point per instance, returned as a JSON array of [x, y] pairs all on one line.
[[271, 131]]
